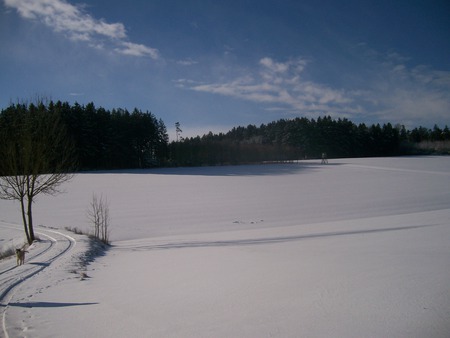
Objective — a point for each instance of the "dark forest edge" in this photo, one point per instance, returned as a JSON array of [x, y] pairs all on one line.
[[119, 139]]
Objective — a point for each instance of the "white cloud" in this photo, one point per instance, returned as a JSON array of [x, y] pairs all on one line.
[[67, 18], [280, 85], [184, 83], [277, 67], [129, 48], [187, 62], [71, 20]]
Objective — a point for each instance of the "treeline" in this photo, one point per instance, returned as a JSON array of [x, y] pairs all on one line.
[[102, 139], [118, 139], [302, 138]]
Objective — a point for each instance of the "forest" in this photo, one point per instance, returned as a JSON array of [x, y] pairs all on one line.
[[303, 138], [101, 139], [118, 139]]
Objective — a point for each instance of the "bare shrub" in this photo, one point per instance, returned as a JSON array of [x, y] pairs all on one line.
[[75, 230], [98, 215]]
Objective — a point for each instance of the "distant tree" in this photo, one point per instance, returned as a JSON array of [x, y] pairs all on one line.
[[437, 134], [446, 133], [178, 131], [161, 152], [36, 157], [420, 134]]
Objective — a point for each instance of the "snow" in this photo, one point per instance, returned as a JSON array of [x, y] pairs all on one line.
[[355, 248]]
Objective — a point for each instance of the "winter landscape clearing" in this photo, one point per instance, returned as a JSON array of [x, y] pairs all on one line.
[[355, 248]]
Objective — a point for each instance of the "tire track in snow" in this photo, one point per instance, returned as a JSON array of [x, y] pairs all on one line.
[[30, 256], [57, 245]]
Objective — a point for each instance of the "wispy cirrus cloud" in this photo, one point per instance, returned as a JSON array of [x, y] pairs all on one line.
[[393, 91], [408, 94], [79, 25], [280, 86], [187, 62]]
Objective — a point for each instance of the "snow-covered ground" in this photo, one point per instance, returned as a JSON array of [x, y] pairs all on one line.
[[356, 248]]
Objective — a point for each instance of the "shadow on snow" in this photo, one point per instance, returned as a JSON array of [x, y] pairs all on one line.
[[270, 240], [227, 170], [47, 304]]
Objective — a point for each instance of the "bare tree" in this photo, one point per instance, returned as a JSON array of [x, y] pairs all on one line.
[[98, 215], [178, 131], [36, 157]]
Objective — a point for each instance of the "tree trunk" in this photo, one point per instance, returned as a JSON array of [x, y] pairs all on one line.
[[30, 221], [25, 225]]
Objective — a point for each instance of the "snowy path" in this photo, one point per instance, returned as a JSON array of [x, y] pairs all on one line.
[[53, 246]]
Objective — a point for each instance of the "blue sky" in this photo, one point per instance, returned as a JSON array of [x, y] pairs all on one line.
[[213, 65]]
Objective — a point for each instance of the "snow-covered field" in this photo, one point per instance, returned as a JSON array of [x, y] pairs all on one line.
[[356, 248]]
